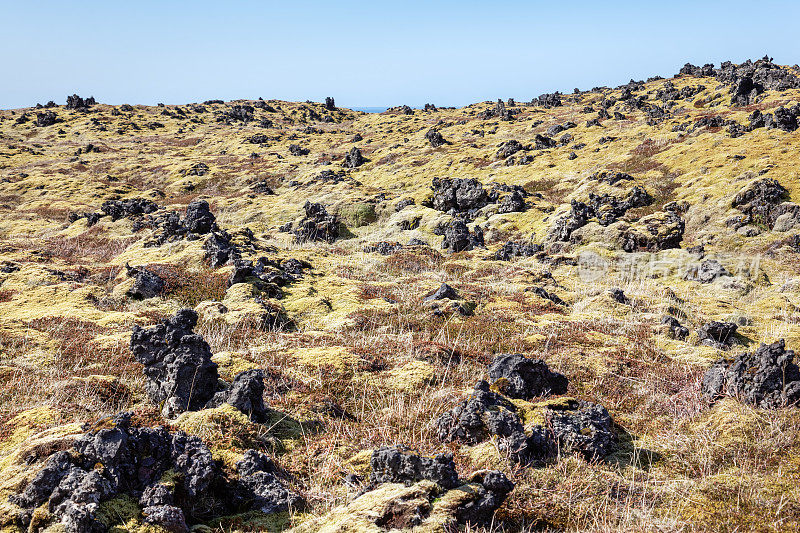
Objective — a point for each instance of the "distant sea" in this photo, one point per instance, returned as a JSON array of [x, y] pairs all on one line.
[[370, 109]]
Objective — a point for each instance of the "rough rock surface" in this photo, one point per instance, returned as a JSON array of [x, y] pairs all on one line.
[[354, 158], [399, 464], [177, 363], [526, 378], [467, 196], [435, 138], [246, 393], [511, 250], [127, 460], [458, 237], [717, 334], [676, 329], [317, 225], [567, 427], [767, 378], [706, 272], [146, 284]]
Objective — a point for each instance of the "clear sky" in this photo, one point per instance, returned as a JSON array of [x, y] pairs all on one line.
[[369, 53]]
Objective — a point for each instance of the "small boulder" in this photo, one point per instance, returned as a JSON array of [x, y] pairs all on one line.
[[525, 378], [718, 335]]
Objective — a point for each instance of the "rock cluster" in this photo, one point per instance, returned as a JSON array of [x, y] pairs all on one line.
[[177, 363], [763, 201], [676, 329], [458, 237], [397, 464], [130, 208], [354, 158], [566, 427], [717, 334], [465, 197], [80, 104], [435, 138], [511, 250], [548, 100], [606, 209], [563, 427], [124, 460], [767, 378], [48, 118]]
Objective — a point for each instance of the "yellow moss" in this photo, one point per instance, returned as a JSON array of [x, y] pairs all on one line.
[[320, 356], [231, 363], [411, 376]]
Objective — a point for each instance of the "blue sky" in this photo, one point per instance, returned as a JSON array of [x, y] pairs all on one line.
[[369, 53]]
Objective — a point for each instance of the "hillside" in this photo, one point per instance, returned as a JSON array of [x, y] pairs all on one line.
[[363, 272]]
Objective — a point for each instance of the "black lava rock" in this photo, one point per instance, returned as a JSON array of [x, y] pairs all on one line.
[[399, 464], [767, 378], [676, 329], [435, 138], [458, 238], [146, 284], [199, 218], [123, 460], [246, 393], [717, 334], [48, 118], [444, 291], [317, 225], [131, 208], [177, 363], [511, 250], [354, 158], [525, 378]]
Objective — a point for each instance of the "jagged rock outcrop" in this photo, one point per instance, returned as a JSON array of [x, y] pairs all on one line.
[[199, 219], [458, 238], [398, 464], [525, 378], [177, 363], [763, 201], [383, 247], [218, 249], [435, 138], [317, 225], [511, 250], [48, 118], [80, 104], [444, 291], [660, 231], [467, 196], [548, 100], [767, 378], [353, 159], [146, 284], [124, 460], [569, 426], [246, 393], [130, 208]]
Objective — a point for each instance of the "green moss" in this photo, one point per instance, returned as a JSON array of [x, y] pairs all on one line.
[[357, 215], [120, 510]]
